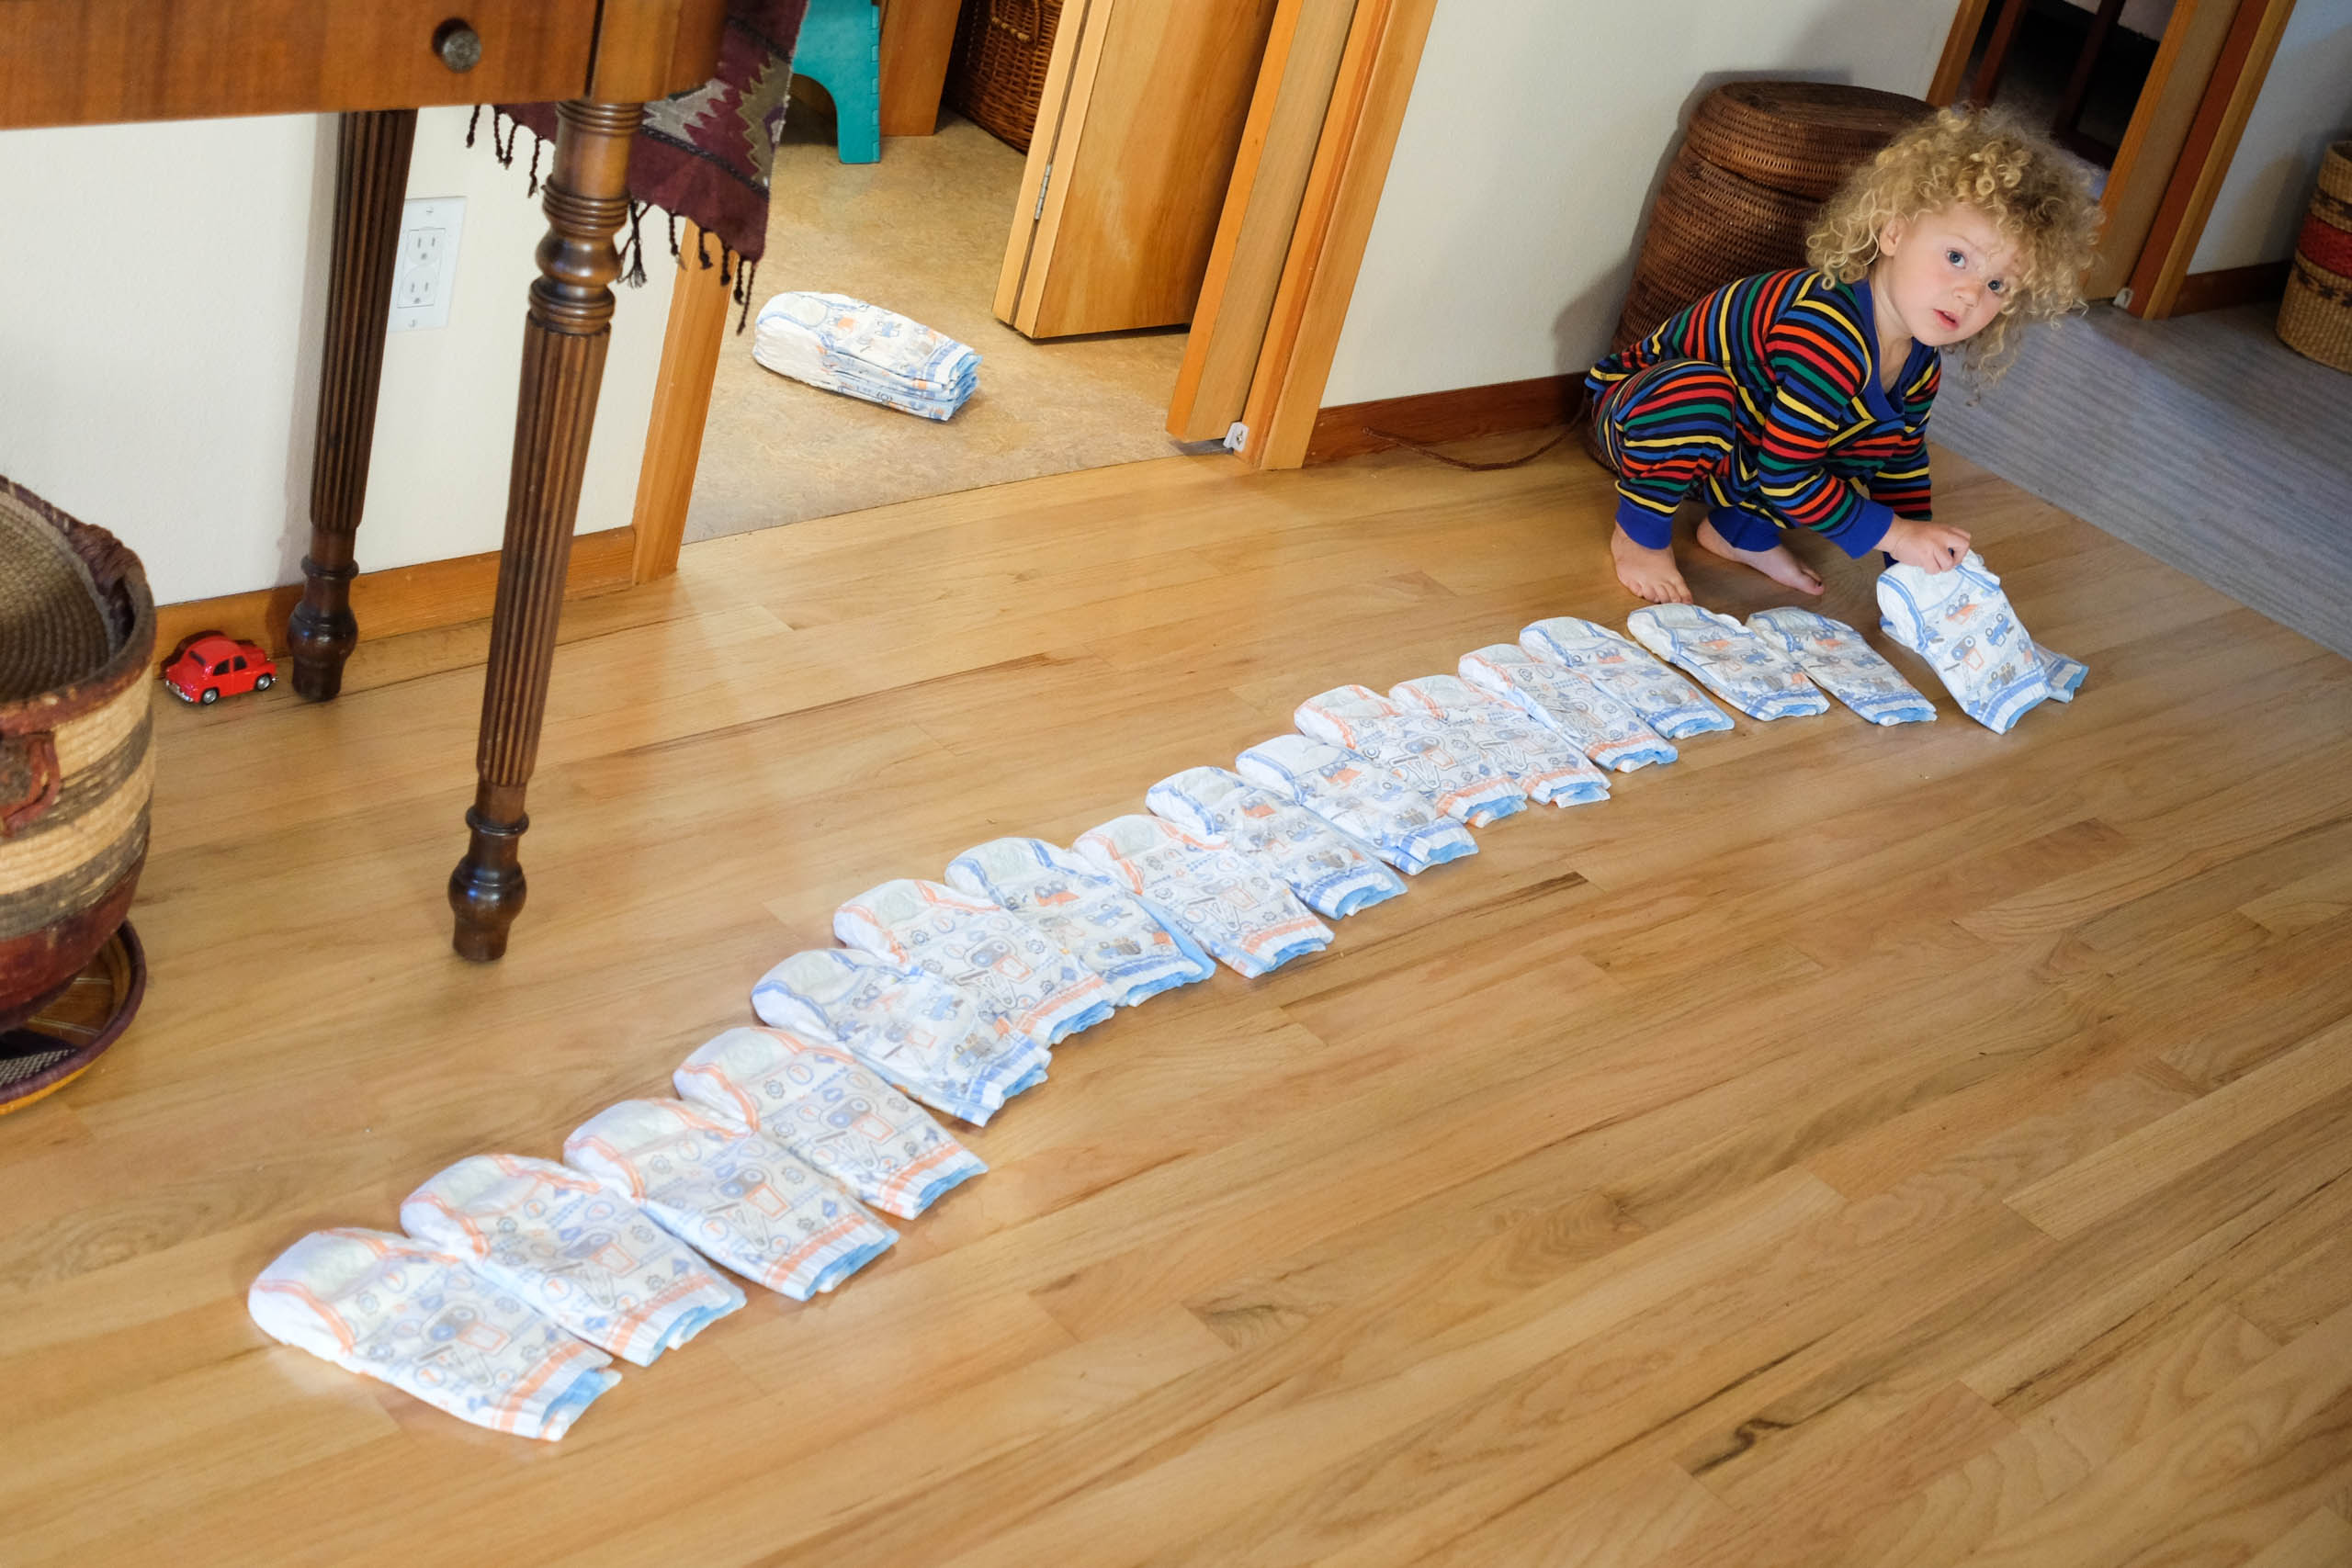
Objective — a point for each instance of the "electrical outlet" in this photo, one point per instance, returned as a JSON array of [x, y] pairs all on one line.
[[424, 265]]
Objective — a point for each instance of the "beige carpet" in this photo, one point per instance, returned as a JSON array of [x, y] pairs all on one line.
[[923, 233]]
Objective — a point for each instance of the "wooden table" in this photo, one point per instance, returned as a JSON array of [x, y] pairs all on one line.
[[376, 63]]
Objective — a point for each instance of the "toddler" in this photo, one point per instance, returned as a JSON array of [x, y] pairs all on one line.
[[1800, 398]]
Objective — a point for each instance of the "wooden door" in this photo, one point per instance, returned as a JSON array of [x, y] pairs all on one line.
[[1144, 106]]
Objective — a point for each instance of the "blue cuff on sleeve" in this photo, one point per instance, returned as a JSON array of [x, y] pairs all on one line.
[[1860, 536]]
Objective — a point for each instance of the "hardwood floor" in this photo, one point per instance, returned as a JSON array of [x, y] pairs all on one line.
[[1910, 1147]]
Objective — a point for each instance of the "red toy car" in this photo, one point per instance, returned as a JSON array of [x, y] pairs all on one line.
[[209, 666]]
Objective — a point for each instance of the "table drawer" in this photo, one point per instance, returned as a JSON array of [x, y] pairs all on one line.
[[83, 62]]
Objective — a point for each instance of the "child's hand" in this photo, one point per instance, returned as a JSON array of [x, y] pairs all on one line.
[[1931, 546]]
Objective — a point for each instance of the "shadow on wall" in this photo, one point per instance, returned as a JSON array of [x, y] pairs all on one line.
[[302, 406], [1581, 330]]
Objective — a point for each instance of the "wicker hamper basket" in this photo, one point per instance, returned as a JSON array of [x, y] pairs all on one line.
[[1799, 137], [77, 635], [1758, 161], [2315, 318], [996, 77]]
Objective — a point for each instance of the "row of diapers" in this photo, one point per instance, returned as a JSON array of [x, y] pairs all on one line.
[[830, 1111], [1245, 917], [737, 1197], [1666, 701], [847, 345], [1551, 769], [1027, 982], [1428, 754], [1074, 903], [1568, 702], [916, 1030], [1332, 872], [1841, 663], [520, 1279], [1962, 625], [1360, 798], [1733, 662]]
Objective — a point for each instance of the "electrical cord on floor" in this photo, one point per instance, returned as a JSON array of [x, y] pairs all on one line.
[[1429, 451]]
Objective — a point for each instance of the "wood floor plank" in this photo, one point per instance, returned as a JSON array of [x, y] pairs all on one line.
[[2095, 1186]]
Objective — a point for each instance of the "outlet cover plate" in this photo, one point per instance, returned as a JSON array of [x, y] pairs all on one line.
[[424, 268]]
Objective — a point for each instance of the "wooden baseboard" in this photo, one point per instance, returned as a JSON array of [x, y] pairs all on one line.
[[1347, 431], [404, 599], [2232, 285]]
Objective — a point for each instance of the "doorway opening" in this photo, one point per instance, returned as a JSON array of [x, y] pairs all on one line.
[[921, 231]]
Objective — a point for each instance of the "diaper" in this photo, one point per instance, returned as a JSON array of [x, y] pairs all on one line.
[[1837, 659], [1333, 874], [1543, 762], [1607, 730], [1960, 623], [1427, 754], [1077, 906], [831, 1112], [1238, 912], [1666, 702], [1020, 975], [933, 1040], [429, 1324], [574, 1249], [733, 1195], [1363, 799], [1758, 679]]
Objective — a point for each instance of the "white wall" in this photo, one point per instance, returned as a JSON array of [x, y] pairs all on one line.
[[1537, 131], [162, 290], [2306, 103]]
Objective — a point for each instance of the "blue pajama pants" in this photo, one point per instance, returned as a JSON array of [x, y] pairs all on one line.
[[1668, 429]]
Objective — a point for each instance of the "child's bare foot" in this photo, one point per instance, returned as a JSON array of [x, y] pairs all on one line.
[[1648, 572], [1780, 563]]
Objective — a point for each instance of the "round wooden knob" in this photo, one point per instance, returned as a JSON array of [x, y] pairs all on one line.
[[458, 45]]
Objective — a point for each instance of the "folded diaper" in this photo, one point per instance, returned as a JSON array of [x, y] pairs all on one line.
[[830, 1111], [1400, 823], [1425, 751], [847, 345], [1072, 902], [1668, 703], [1544, 763], [1022, 977], [1735, 664], [429, 1324], [2064, 675], [1960, 623], [1240, 913], [1837, 659], [918, 1032], [572, 1247], [1332, 873], [735, 1196], [1606, 730]]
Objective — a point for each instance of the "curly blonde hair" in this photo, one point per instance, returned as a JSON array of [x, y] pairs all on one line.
[[2039, 199]]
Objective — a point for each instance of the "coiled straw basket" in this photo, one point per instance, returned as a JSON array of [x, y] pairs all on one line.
[[2315, 318], [77, 635]]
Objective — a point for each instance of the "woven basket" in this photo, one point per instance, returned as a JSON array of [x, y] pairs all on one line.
[[1801, 138], [77, 631], [1710, 227], [2315, 318], [996, 77]]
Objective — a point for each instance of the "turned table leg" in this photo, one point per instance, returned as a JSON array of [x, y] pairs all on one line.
[[564, 339], [371, 184]]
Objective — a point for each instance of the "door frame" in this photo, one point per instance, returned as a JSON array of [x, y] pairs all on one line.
[[2173, 147], [1294, 360]]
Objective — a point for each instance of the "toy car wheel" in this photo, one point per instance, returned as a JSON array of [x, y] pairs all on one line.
[[210, 697], [263, 682]]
